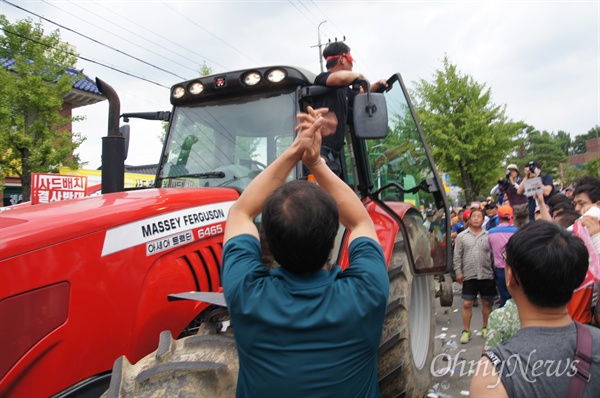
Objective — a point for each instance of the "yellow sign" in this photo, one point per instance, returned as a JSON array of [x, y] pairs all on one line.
[[132, 180]]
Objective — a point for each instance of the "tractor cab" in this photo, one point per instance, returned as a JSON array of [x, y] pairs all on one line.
[[225, 129]]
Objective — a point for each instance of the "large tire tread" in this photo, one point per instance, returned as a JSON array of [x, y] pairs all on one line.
[[197, 366], [397, 373]]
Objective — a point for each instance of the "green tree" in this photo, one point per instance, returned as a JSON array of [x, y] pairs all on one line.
[[564, 141], [469, 136], [550, 149], [518, 155], [579, 143], [547, 149], [574, 173], [205, 70], [592, 168], [34, 136]]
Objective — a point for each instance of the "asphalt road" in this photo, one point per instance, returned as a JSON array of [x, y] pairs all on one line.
[[454, 362]]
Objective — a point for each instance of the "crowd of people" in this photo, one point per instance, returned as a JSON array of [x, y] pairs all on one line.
[[532, 250], [545, 353], [482, 236]]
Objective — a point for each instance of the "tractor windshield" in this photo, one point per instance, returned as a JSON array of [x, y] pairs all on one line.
[[226, 143]]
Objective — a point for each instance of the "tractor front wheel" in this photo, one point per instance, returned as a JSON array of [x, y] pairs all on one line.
[[406, 347], [197, 366]]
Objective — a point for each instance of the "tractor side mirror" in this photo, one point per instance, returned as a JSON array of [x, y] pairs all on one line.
[[124, 130], [370, 116]]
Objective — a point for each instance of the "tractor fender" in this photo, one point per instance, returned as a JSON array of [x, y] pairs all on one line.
[[177, 271], [418, 247]]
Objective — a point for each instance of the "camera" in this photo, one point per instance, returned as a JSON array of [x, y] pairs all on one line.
[[505, 182], [532, 168]]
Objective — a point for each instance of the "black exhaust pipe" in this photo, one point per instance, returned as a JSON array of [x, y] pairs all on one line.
[[113, 145]]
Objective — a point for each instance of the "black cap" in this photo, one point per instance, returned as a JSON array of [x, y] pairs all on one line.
[[491, 205]]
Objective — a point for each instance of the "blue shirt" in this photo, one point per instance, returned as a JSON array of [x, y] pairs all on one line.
[[492, 222], [459, 226], [306, 336]]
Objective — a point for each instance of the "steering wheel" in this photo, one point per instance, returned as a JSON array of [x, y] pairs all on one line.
[[252, 164], [236, 175]]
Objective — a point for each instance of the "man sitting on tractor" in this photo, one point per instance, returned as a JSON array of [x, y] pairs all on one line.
[[340, 75]]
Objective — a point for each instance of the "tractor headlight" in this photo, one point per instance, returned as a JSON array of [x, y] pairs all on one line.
[[276, 75], [178, 92], [252, 78], [196, 88]]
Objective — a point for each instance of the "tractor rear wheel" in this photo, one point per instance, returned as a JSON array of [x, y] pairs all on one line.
[[406, 347], [197, 366]]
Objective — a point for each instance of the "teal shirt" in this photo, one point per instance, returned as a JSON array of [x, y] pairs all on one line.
[[306, 336]]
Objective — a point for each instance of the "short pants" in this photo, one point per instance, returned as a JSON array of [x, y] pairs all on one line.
[[486, 288]]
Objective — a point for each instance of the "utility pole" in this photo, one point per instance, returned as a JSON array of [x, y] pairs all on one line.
[[320, 45]]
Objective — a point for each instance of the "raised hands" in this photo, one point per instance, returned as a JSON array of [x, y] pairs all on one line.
[[311, 128]]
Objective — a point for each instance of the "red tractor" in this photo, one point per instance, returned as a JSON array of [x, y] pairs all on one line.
[[86, 281]]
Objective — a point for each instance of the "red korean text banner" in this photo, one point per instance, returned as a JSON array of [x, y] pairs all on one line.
[[47, 188]]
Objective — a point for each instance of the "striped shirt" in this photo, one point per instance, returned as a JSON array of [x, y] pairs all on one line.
[[472, 256], [497, 239]]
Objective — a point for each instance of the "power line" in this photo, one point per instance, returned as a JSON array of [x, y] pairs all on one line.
[[330, 36], [362, 61], [307, 9], [94, 40], [121, 37], [156, 34], [86, 59], [123, 72], [301, 12], [207, 31], [319, 44], [326, 17]]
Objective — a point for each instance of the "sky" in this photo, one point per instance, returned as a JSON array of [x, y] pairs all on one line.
[[541, 59]]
